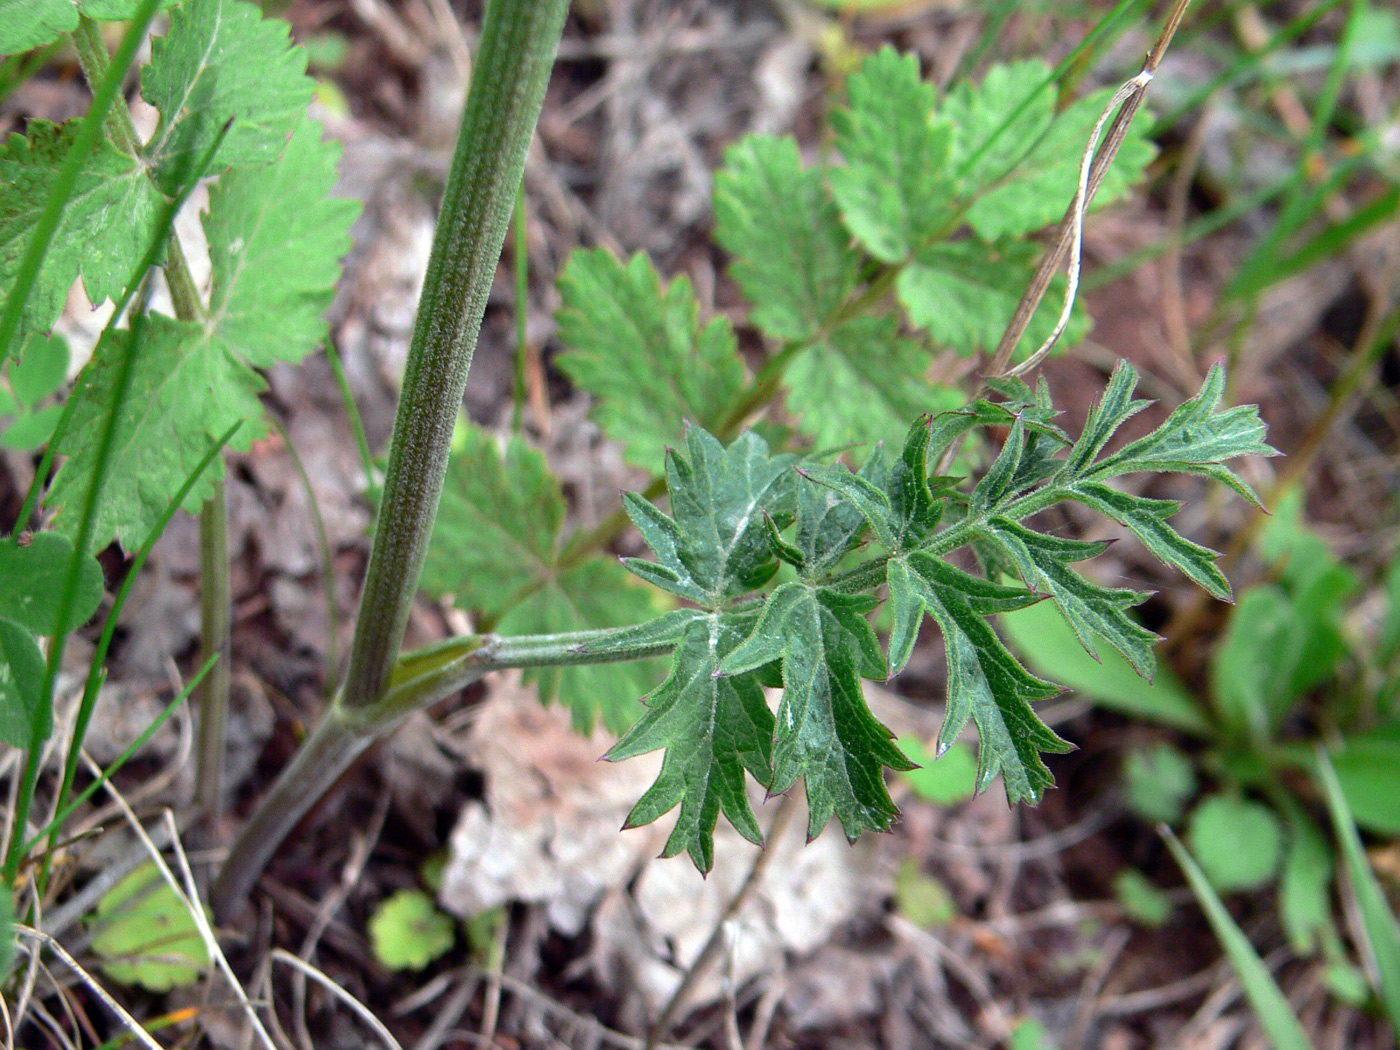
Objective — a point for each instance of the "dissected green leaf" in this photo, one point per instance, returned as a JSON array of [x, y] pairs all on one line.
[[1041, 635], [985, 682], [1160, 781], [894, 190], [862, 384], [105, 227], [965, 292], [276, 239], [791, 255], [32, 23], [21, 685], [495, 548], [1237, 842], [713, 728], [186, 391], [825, 732], [1196, 439], [407, 931], [222, 61], [31, 583], [715, 546], [145, 935], [1147, 520], [640, 350], [116, 10], [1043, 563]]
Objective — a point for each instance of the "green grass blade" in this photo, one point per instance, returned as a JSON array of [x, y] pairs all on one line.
[[68, 172], [1270, 1005], [1379, 924], [352, 412]]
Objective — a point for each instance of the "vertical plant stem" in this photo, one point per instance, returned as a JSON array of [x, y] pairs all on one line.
[[518, 42], [214, 636]]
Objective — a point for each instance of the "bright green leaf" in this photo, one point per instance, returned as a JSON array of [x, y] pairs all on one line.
[[1237, 842], [186, 392], [144, 933], [116, 10], [1368, 768], [25, 24], [965, 292], [222, 61], [894, 189], [21, 685], [825, 732], [791, 255], [106, 225], [640, 350], [921, 898], [31, 583], [712, 728], [407, 931], [40, 369], [862, 384], [1305, 884], [276, 239], [31, 431]]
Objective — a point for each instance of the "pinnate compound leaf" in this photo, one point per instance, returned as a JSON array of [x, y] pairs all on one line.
[[32, 580], [713, 729], [792, 257], [276, 238], [1043, 563], [716, 544], [985, 682], [640, 350], [186, 391], [33, 23], [495, 548], [825, 732], [104, 230], [862, 383], [964, 293], [21, 682], [1196, 439], [895, 187], [222, 61]]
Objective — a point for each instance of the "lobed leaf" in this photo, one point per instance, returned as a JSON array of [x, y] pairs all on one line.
[[32, 579], [186, 391], [712, 728], [104, 229], [825, 732], [276, 238], [222, 61], [792, 258], [716, 546], [985, 682], [640, 350], [894, 190], [25, 24]]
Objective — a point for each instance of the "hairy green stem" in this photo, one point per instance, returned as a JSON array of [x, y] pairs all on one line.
[[518, 42]]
